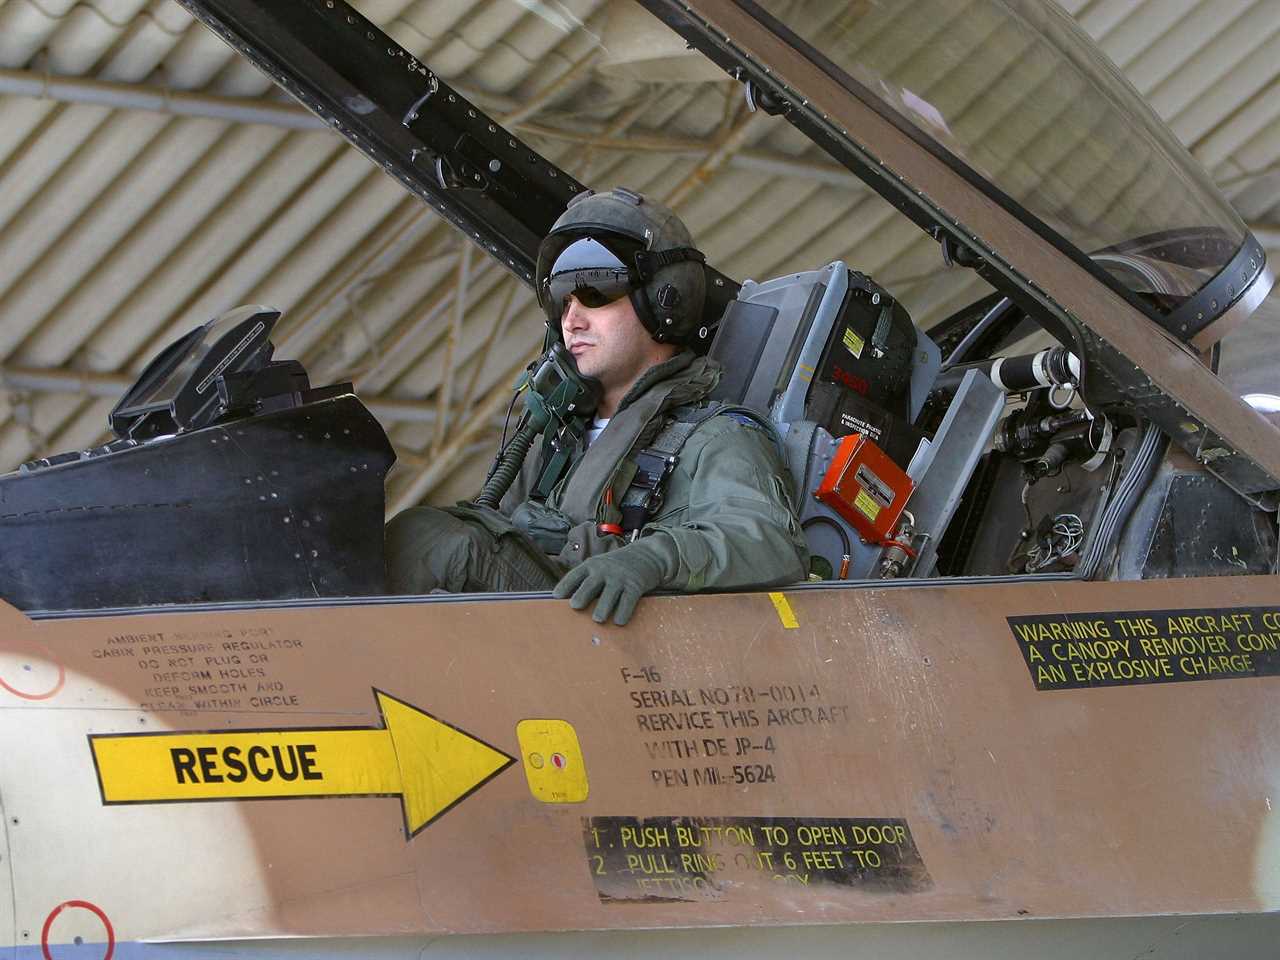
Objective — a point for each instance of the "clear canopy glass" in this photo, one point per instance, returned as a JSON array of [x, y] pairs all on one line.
[[1015, 91]]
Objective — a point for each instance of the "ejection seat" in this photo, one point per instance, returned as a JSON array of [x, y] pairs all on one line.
[[827, 354]]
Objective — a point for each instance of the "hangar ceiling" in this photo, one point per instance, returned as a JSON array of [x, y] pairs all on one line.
[[150, 179]]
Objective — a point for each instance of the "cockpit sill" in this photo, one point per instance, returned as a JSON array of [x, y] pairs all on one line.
[[311, 603]]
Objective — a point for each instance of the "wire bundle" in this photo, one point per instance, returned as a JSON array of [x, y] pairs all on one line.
[[1063, 540], [1136, 479]]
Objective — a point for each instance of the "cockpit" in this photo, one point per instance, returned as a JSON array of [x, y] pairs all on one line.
[[986, 312]]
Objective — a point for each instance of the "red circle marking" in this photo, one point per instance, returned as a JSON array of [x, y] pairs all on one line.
[[83, 905], [62, 679], [558, 761]]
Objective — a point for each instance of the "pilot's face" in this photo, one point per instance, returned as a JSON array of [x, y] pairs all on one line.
[[608, 343]]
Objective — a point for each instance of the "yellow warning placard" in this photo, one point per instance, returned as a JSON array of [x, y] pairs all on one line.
[[553, 763], [866, 506], [852, 342], [428, 763]]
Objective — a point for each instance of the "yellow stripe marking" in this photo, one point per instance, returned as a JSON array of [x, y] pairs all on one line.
[[785, 613]]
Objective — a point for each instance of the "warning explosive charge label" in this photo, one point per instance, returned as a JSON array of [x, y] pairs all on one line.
[[701, 859], [1067, 651]]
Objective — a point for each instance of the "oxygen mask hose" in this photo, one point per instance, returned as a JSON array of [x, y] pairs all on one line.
[[510, 461], [558, 402]]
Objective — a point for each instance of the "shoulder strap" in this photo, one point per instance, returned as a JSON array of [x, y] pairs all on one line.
[[748, 416], [681, 422], [797, 453], [655, 462]]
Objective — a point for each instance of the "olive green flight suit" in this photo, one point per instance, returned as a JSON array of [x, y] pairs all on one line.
[[726, 523]]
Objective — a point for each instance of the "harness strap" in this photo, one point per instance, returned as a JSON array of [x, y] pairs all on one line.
[[558, 449], [655, 462], [673, 435]]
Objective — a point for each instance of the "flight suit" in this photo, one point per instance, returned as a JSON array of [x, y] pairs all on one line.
[[726, 522]]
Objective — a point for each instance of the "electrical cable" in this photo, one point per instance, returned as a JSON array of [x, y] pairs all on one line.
[[1114, 515], [1062, 541], [502, 444], [846, 545]]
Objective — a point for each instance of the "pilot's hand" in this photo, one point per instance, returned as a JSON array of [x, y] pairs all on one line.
[[619, 578]]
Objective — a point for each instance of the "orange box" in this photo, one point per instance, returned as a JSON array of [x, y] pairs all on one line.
[[866, 488]]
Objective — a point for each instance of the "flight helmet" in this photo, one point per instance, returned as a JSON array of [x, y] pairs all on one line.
[[610, 245]]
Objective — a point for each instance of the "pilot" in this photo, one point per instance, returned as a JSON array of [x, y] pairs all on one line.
[[623, 288]]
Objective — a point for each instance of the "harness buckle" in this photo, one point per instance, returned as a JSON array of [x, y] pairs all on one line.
[[645, 495]]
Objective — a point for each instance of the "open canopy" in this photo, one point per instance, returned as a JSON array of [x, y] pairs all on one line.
[[1014, 93], [995, 125]]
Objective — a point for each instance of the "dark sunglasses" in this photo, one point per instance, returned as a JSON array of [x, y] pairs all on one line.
[[590, 286]]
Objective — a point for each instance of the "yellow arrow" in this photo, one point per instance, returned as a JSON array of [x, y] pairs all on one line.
[[429, 764]]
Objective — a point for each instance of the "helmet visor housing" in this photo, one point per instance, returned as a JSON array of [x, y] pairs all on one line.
[[588, 269]]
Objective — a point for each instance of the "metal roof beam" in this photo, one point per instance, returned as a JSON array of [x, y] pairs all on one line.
[[445, 390], [141, 96], [416, 488], [85, 383]]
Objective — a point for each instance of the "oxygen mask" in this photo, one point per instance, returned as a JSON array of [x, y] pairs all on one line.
[[559, 402]]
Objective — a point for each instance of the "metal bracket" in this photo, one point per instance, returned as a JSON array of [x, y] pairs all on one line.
[[1215, 297], [950, 461]]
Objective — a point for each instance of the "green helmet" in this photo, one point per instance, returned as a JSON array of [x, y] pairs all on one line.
[[608, 245]]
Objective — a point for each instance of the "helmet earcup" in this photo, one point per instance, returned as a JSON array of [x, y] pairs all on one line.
[[640, 303]]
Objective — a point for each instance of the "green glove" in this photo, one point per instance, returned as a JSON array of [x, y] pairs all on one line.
[[619, 578]]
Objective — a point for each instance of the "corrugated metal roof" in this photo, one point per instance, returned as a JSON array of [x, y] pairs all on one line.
[[179, 183]]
